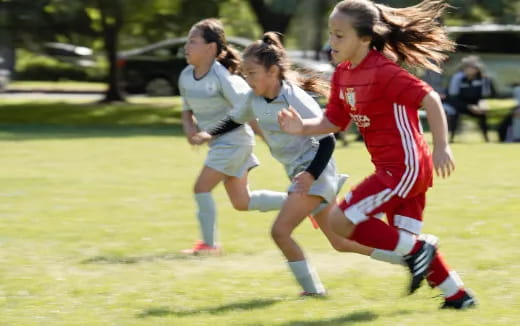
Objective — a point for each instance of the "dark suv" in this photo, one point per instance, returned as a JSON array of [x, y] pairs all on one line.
[[155, 69]]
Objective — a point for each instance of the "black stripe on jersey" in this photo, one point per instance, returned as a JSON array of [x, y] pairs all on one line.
[[224, 126]]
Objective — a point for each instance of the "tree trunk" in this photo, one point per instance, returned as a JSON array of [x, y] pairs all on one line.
[[320, 11], [111, 18], [270, 20]]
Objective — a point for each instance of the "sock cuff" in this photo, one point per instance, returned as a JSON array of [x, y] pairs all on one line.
[[300, 268], [387, 256], [203, 195], [205, 199], [405, 243], [451, 285]]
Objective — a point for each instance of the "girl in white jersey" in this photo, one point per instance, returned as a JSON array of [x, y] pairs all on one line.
[[307, 159], [210, 88]]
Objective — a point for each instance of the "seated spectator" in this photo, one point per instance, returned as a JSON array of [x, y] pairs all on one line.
[[435, 80], [509, 127], [466, 90]]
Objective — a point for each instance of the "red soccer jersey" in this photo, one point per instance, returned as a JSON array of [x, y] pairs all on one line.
[[383, 99]]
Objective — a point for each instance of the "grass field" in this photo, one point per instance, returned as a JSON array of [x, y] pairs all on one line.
[[95, 206], [56, 86]]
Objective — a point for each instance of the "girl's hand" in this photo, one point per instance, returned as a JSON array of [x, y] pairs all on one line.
[[189, 136], [200, 138], [290, 121], [443, 161], [303, 182]]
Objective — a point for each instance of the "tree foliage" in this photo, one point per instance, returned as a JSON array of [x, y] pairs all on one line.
[[274, 15], [109, 25], [474, 11]]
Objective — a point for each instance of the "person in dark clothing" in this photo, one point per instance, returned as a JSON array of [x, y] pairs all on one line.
[[509, 128], [466, 90]]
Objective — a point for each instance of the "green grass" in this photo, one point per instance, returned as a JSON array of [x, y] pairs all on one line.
[[56, 86], [92, 217], [139, 111]]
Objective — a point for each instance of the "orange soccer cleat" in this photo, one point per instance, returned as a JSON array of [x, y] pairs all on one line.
[[201, 248]]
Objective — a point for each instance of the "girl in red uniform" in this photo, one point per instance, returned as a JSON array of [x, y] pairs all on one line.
[[382, 99]]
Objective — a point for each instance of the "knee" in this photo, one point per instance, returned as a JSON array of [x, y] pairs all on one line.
[[342, 245], [199, 187], [240, 205], [339, 247], [279, 233]]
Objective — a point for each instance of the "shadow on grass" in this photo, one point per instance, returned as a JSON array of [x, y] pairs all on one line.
[[354, 317], [236, 306], [32, 132], [138, 259]]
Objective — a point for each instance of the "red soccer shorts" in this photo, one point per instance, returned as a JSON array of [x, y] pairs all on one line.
[[373, 198]]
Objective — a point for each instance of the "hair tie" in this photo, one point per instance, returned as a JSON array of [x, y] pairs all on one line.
[[267, 40]]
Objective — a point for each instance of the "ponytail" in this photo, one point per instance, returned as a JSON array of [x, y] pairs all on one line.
[[274, 39], [269, 51], [412, 35], [314, 84], [229, 57], [213, 32]]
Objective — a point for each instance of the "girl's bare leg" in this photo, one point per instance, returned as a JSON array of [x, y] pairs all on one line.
[[295, 209], [338, 242]]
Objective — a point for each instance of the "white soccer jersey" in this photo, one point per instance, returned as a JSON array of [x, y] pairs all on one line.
[[212, 97], [293, 151]]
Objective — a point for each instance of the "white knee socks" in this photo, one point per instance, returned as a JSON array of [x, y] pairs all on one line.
[[207, 216], [266, 200], [387, 256], [306, 276]]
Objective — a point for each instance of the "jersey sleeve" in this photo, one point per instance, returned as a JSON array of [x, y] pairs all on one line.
[[185, 105], [243, 112], [234, 88], [336, 112], [401, 87], [302, 102]]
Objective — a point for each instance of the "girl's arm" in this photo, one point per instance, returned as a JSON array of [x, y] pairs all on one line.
[[256, 128], [304, 179], [189, 125], [292, 123], [222, 127], [442, 155]]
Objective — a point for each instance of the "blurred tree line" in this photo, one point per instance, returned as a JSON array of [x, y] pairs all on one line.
[[111, 25]]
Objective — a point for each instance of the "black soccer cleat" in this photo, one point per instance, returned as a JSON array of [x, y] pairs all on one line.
[[419, 264], [467, 301]]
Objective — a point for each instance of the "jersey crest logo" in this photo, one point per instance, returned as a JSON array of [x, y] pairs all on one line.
[[211, 88], [350, 95]]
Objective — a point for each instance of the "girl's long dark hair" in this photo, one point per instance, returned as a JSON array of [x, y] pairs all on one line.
[[412, 35], [213, 31], [269, 51]]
